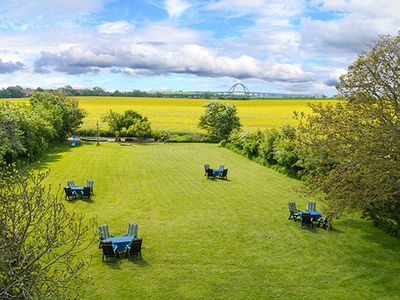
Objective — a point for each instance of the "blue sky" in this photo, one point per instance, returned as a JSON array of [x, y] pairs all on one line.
[[286, 46]]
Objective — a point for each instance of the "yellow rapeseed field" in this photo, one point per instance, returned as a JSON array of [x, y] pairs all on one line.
[[182, 115]]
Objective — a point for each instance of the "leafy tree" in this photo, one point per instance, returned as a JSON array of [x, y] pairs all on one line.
[[10, 134], [267, 147], [219, 119], [130, 123], [351, 150], [285, 148], [39, 240], [59, 110]]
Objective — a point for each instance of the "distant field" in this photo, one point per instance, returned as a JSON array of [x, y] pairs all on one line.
[[181, 115]]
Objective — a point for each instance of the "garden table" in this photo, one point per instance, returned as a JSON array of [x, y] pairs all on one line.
[[315, 215], [217, 172], [77, 190], [120, 242]]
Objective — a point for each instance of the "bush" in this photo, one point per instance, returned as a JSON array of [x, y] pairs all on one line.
[[270, 147]]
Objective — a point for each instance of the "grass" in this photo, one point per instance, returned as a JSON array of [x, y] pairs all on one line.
[[182, 115], [206, 239]]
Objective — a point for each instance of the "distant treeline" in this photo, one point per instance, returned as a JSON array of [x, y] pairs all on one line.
[[19, 92]]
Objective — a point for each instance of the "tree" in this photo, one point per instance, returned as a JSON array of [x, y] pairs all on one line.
[[59, 110], [351, 150], [130, 123], [219, 119], [39, 239]]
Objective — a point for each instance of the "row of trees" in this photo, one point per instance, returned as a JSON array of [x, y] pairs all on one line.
[[273, 147], [19, 92], [12, 92], [349, 152], [27, 130]]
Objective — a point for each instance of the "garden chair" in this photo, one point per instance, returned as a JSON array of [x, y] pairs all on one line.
[[224, 174], [108, 252], [132, 230], [104, 234], [89, 183], [221, 167], [70, 183], [134, 250], [210, 173], [312, 206], [294, 212], [86, 192], [306, 220], [69, 193], [206, 167]]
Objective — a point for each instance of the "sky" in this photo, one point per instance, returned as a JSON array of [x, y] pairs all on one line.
[[276, 46]]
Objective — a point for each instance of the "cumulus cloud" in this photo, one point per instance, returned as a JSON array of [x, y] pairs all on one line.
[[176, 7], [360, 22], [150, 60], [10, 67]]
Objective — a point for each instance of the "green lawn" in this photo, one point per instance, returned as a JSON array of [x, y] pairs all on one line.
[[205, 239]]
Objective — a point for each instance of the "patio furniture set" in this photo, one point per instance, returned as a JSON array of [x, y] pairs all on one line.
[[221, 172], [128, 244], [74, 192], [309, 216]]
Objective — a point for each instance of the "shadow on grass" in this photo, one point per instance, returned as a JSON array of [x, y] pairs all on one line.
[[79, 199], [376, 235], [53, 154], [140, 263], [113, 265]]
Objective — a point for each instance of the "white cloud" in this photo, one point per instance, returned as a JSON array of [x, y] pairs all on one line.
[[119, 27], [176, 7], [360, 22], [152, 60]]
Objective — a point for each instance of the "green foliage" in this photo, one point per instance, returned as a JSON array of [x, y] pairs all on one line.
[[130, 123], [285, 148], [26, 131], [59, 110], [23, 133], [39, 239], [351, 151], [219, 119], [269, 147], [12, 92], [190, 138]]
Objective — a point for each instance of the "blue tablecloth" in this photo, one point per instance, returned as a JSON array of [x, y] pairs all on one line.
[[77, 190], [315, 215], [217, 172], [120, 242]]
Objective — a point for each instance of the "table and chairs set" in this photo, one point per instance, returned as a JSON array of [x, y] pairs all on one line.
[[308, 216], [221, 172], [74, 192], [128, 244]]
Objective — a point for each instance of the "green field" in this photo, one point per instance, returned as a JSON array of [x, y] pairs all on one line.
[[205, 239], [182, 115]]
